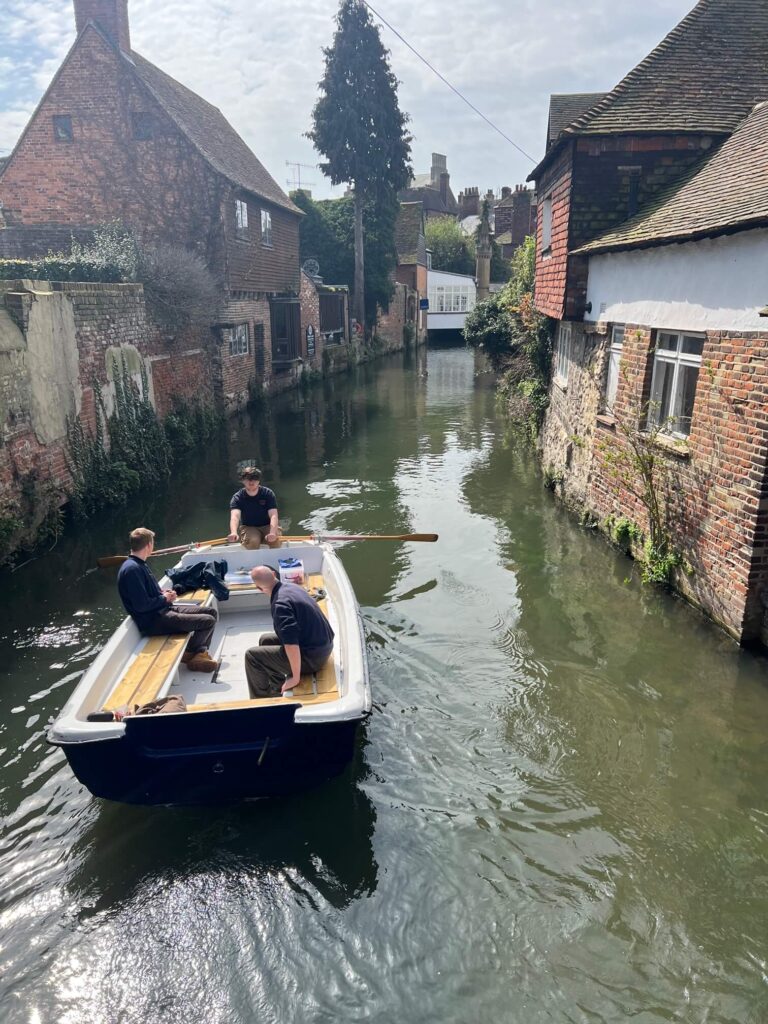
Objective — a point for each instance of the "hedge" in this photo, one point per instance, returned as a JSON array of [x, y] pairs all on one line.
[[59, 268]]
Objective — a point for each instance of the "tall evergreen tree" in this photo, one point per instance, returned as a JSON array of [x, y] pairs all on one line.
[[357, 124]]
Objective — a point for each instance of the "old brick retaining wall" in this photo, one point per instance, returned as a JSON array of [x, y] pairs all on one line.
[[718, 478]]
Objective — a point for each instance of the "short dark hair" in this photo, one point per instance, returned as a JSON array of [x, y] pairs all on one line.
[[140, 538], [250, 473]]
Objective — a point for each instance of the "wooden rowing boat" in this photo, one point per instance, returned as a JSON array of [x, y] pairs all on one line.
[[226, 746]]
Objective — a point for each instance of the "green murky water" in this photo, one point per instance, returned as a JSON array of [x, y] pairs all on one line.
[[558, 809]]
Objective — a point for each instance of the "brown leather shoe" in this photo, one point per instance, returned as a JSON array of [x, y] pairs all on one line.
[[186, 657], [202, 663]]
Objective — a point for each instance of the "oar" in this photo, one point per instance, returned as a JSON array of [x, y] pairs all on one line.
[[430, 538], [110, 560]]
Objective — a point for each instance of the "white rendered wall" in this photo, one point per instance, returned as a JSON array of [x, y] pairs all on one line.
[[716, 284], [446, 321]]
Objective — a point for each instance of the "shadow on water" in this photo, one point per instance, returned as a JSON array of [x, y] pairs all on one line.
[[125, 852]]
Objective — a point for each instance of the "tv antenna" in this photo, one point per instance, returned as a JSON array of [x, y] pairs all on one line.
[[295, 181]]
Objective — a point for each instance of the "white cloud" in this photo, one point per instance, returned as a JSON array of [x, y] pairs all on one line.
[[260, 62]]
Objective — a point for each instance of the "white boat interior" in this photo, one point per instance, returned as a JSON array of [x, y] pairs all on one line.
[[133, 670]]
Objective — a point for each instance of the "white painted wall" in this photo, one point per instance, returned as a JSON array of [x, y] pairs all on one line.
[[448, 321], [716, 284]]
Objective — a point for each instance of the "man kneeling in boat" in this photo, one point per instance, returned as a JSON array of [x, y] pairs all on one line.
[[302, 641], [151, 608]]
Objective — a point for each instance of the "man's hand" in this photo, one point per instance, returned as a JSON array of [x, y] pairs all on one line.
[[170, 596], [232, 537], [271, 537], [289, 684]]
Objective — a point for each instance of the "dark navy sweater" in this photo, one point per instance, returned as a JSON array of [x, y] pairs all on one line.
[[140, 592], [298, 620]]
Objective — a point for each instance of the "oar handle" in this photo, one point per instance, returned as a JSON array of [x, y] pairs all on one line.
[[112, 560]]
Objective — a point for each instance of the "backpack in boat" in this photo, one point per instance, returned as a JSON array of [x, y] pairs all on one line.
[[164, 706]]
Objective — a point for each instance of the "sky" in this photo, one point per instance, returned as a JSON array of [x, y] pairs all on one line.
[[260, 61]]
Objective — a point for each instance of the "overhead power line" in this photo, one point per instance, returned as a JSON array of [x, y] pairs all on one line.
[[443, 79]]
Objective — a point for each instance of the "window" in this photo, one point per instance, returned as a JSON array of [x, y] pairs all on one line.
[[239, 342], [563, 353], [451, 298], [62, 128], [676, 367], [266, 227], [614, 363], [546, 225], [141, 123], [241, 216]]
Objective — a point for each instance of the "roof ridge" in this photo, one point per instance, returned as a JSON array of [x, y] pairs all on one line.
[[623, 85]]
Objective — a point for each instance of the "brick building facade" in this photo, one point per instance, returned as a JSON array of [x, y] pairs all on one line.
[[650, 239], [115, 138]]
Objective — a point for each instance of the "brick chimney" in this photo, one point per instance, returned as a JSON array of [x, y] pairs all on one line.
[[445, 180], [439, 166], [469, 203], [506, 191], [111, 16]]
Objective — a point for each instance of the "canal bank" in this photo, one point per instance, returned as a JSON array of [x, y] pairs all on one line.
[[557, 810]]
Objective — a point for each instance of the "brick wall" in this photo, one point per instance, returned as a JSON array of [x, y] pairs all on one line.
[[403, 310], [239, 377], [310, 317], [70, 332], [717, 482], [161, 186]]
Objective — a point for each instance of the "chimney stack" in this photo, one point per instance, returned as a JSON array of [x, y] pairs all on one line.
[[469, 203], [445, 180], [439, 166], [506, 192], [111, 16]]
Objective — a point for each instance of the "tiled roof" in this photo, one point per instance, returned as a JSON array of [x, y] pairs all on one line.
[[728, 194], [566, 107], [705, 76], [429, 198], [409, 235], [209, 131]]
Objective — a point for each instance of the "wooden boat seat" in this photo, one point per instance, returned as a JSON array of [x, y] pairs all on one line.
[[320, 688], [154, 664]]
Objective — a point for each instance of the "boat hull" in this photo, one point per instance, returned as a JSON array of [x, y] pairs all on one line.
[[213, 757]]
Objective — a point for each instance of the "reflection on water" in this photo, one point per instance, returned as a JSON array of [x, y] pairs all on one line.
[[557, 811]]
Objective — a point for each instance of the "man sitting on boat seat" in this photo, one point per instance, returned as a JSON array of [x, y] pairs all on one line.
[[253, 513], [151, 608], [302, 641]]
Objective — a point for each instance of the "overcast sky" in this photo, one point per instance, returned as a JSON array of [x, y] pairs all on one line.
[[260, 61]]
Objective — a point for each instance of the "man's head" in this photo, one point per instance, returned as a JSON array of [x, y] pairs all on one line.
[[264, 578], [251, 480], [141, 541]]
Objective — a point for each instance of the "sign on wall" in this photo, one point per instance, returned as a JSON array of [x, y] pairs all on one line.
[[310, 340]]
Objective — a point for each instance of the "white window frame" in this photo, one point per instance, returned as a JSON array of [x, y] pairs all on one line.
[[239, 338], [677, 359], [563, 353], [614, 365], [241, 215], [266, 227], [546, 224]]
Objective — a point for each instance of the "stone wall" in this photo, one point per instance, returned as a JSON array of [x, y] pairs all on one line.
[[56, 342], [402, 311], [717, 480]]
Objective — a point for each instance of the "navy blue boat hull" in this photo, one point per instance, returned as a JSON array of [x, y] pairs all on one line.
[[213, 757]]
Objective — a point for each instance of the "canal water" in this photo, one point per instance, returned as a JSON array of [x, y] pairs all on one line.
[[557, 811]]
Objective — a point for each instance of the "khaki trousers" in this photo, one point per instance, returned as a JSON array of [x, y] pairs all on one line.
[[252, 537]]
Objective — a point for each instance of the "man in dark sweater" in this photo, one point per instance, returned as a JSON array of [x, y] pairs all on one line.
[[152, 608], [302, 641], [253, 513]]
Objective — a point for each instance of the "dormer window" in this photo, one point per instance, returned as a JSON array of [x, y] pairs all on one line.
[[266, 227], [241, 216], [62, 128], [141, 124]]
